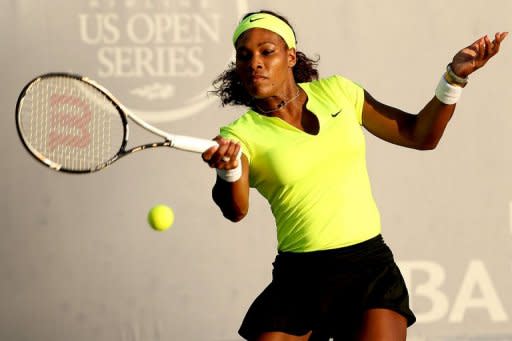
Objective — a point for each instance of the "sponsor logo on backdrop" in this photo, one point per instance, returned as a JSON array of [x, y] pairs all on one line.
[[476, 297], [438, 295], [476, 293], [159, 57]]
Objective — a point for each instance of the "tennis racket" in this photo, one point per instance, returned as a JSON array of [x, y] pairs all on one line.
[[72, 124]]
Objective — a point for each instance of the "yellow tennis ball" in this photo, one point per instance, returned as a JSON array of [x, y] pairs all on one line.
[[160, 217]]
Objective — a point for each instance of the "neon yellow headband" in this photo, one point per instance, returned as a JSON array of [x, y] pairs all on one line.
[[268, 22]]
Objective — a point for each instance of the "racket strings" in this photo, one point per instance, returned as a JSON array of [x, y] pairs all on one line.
[[70, 123]]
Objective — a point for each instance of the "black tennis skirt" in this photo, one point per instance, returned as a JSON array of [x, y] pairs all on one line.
[[328, 292]]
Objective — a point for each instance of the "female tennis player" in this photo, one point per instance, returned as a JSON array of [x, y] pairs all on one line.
[[301, 146]]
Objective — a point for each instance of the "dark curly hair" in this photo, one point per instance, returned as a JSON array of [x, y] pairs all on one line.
[[228, 85]]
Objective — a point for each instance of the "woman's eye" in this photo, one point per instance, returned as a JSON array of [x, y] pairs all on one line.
[[242, 56], [246, 56]]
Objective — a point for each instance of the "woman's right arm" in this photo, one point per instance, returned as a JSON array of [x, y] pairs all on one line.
[[231, 197]]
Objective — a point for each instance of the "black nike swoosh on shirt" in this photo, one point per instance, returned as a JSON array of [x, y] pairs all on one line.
[[254, 19], [336, 113]]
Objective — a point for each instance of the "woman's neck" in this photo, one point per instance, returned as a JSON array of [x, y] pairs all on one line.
[[274, 104]]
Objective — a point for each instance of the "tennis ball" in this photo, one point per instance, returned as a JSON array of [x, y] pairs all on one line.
[[160, 217]]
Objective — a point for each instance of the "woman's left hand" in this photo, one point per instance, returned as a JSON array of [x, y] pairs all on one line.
[[473, 57]]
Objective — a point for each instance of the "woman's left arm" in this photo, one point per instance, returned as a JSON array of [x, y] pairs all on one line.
[[424, 130]]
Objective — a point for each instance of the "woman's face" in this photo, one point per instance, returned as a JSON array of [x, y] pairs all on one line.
[[263, 62]]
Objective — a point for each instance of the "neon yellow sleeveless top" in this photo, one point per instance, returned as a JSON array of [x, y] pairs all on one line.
[[317, 185]]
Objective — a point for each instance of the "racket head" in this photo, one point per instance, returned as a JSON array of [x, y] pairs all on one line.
[[71, 124]]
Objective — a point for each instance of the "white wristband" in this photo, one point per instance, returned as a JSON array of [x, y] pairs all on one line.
[[447, 93], [231, 175]]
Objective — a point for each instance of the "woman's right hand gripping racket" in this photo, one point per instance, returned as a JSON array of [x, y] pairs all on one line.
[[72, 124]]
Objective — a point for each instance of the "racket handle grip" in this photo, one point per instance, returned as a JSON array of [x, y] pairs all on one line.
[[191, 144]]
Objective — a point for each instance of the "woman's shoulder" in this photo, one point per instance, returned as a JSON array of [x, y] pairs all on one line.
[[334, 82], [244, 120], [245, 125], [340, 90]]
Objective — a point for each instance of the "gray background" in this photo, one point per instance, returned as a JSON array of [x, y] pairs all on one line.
[[79, 262]]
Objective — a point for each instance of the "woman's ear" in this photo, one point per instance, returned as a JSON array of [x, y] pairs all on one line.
[[292, 57]]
